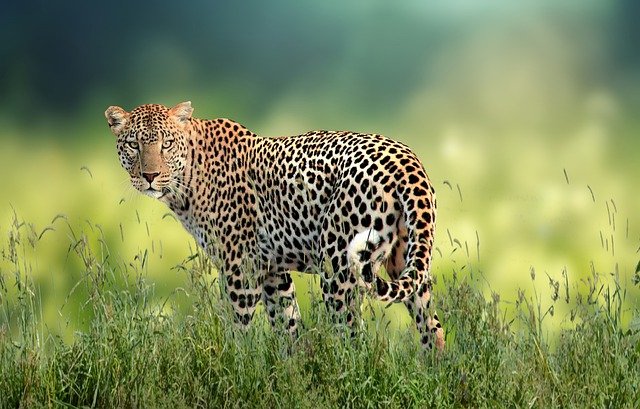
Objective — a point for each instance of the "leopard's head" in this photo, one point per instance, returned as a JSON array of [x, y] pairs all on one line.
[[152, 143]]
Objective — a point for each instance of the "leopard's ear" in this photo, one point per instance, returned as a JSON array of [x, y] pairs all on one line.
[[117, 119], [181, 112]]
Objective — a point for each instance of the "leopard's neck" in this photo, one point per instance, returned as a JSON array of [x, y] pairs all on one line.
[[219, 153]]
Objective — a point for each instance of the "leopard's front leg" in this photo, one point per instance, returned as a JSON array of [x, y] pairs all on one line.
[[280, 302], [244, 290]]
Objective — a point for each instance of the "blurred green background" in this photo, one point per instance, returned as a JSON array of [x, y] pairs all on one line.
[[524, 113]]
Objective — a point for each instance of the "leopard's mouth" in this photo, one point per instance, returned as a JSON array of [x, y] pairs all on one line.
[[157, 194]]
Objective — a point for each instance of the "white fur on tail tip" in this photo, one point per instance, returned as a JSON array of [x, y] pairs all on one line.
[[368, 240], [359, 244]]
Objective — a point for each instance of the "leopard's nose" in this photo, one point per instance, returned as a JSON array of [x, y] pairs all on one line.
[[150, 176]]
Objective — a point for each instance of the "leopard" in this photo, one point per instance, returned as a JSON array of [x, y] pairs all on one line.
[[341, 204]]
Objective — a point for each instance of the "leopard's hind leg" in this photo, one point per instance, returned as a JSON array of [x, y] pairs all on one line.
[[420, 303]]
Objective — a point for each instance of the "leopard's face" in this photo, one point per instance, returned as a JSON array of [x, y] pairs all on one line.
[[152, 143]]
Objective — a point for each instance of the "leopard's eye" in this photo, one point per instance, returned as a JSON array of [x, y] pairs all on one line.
[[167, 144], [133, 145]]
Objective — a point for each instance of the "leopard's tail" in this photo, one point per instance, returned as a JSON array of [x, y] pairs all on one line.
[[367, 251]]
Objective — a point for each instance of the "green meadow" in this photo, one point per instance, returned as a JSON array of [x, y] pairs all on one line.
[[106, 301]]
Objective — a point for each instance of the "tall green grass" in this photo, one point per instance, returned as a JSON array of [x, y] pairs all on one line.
[[139, 350]]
